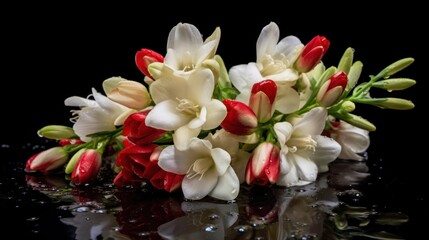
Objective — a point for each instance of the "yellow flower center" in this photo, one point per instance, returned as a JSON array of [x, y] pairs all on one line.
[[296, 143], [199, 167], [187, 106]]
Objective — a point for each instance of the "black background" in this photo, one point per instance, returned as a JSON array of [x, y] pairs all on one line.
[[52, 52]]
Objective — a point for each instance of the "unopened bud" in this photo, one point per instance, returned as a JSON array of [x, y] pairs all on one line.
[[56, 132], [395, 84]]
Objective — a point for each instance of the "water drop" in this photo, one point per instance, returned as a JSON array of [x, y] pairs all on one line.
[[210, 228], [32, 219], [116, 229], [87, 218], [214, 217], [143, 234], [242, 228]]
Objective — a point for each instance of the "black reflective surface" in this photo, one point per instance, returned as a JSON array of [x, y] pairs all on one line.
[[355, 200]]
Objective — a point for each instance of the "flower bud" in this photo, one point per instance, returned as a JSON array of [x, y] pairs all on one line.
[[136, 130], [73, 161], [263, 164], [167, 181], [47, 160], [312, 53], [354, 74], [240, 119], [394, 84], [395, 103], [87, 167], [330, 92], [346, 61], [262, 99], [65, 142], [145, 57], [396, 67], [131, 94], [56, 132]]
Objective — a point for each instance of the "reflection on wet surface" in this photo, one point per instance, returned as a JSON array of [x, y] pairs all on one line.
[[337, 206]]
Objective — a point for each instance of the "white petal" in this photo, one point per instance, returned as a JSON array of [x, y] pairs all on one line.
[[198, 122], [283, 131], [92, 120], [327, 150], [348, 154], [200, 147], [253, 75], [285, 164], [171, 60], [267, 41], [183, 135], [287, 99], [172, 160], [196, 188], [80, 102], [288, 179], [237, 75], [227, 187], [105, 103], [222, 160], [206, 51], [200, 86], [306, 169], [123, 116], [244, 96], [356, 138], [288, 49], [168, 86], [216, 113], [239, 164], [165, 116], [222, 139], [287, 76], [312, 123], [184, 36]]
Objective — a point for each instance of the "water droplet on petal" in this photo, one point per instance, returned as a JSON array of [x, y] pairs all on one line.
[[210, 228]]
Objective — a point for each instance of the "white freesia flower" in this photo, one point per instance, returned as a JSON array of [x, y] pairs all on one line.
[[98, 115], [303, 151], [185, 106], [186, 49], [274, 61], [208, 170], [227, 141], [353, 140]]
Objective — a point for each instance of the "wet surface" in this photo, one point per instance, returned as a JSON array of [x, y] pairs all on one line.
[[355, 200]]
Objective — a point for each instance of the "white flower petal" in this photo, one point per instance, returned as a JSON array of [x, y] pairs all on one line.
[[267, 41], [200, 86], [123, 116], [287, 99], [172, 160], [206, 51], [287, 76], [283, 131], [197, 122], [288, 179], [327, 150], [221, 159], [166, 116], [216, 113], [227, 187], [348, 154], [312, 123], [306, 169], [184, 36], [239, 164], [183, 135], [197, 188], [354, 137], [105, 103], [92, 120], [168, 86], [79, 102], [288, 49], [237, 75]]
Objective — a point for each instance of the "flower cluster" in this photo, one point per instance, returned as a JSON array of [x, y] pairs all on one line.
[[196, 126]]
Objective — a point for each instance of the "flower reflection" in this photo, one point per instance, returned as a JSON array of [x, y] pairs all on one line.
[[203, 220]]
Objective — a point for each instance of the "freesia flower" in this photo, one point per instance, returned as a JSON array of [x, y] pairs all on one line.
[[48, 160], [240, 118], [353, 140], [185, 106], [98, 115], [332, 89], [274, 60], [186, 50], [87, 167], [207, 169], [312, 53], [300, 140], [263, 165]]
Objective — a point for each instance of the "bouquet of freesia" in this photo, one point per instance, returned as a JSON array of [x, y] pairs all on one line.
[[194, 125]]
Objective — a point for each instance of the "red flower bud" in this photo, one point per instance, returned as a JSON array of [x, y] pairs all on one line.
[[240, 119], [263, 164], [262, 99], [136, 130], [312, 53], [87, 167], [47, 160], [145, 57], [332, 89]]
